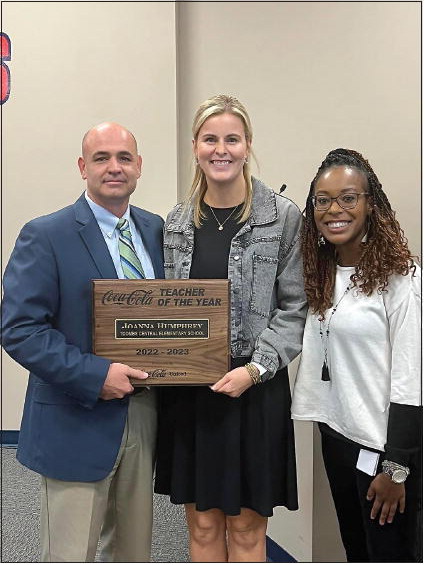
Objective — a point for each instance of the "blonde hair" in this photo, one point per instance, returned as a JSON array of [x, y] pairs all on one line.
[[220, 104]]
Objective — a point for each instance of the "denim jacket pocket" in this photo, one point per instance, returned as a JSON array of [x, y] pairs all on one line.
[[263, 279], [169, 269]]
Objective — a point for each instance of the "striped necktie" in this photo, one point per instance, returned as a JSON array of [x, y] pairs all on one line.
[[131, 266]]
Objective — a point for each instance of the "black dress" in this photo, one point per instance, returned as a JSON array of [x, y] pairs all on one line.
[[222, 452]]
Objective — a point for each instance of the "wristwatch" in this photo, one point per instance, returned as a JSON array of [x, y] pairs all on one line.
[[397, 473]]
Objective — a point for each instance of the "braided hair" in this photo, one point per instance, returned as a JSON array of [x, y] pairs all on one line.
[[384, 253]]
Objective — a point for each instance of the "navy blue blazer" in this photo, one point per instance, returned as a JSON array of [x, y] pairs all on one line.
[[67, 432]]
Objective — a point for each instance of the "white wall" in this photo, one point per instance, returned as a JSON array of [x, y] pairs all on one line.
[[313, 75], [76, 64]]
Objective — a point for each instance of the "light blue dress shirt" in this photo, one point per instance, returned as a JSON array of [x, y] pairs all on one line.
[[107, 223]]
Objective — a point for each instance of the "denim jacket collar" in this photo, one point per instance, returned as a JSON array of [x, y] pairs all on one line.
[[263, 211]]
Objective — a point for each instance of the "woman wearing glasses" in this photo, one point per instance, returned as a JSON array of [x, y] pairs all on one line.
[[359, 374]]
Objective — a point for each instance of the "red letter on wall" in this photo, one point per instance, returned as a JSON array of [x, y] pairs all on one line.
[[6, 52]]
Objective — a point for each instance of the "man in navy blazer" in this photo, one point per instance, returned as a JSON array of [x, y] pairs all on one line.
[[85, 429]]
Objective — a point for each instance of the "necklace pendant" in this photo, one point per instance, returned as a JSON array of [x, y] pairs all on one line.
[[221, 225], [325, 373]]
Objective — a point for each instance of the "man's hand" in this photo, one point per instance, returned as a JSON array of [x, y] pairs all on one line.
[[387, 496], [234, 383], [117, 383]]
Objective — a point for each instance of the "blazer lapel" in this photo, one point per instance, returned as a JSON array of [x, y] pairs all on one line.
[[93, 239]]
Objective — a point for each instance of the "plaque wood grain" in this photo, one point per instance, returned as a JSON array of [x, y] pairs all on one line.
[[176, 330]]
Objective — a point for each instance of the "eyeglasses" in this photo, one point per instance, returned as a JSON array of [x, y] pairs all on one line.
[[346, 201]]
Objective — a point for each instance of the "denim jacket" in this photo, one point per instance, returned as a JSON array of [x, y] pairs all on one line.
[[268, 304]]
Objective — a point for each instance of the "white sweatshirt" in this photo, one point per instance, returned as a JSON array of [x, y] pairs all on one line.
[[373, 358]]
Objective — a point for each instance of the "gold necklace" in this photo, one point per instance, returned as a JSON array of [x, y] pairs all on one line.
[[221, 224]]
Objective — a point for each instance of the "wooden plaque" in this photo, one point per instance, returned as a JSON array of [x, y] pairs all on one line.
[[176, 330]]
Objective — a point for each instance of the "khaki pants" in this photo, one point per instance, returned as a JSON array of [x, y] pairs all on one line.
[[117, 509]]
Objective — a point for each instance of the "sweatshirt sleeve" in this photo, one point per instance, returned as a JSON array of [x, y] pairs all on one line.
[[404, 434], [403, 307]]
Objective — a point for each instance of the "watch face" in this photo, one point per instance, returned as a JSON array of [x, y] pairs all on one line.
[[399, 476]]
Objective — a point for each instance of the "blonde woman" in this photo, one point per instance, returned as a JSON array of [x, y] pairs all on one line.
[[227, 451]]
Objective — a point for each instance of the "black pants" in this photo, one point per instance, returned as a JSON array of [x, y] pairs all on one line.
[[365, 540]]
